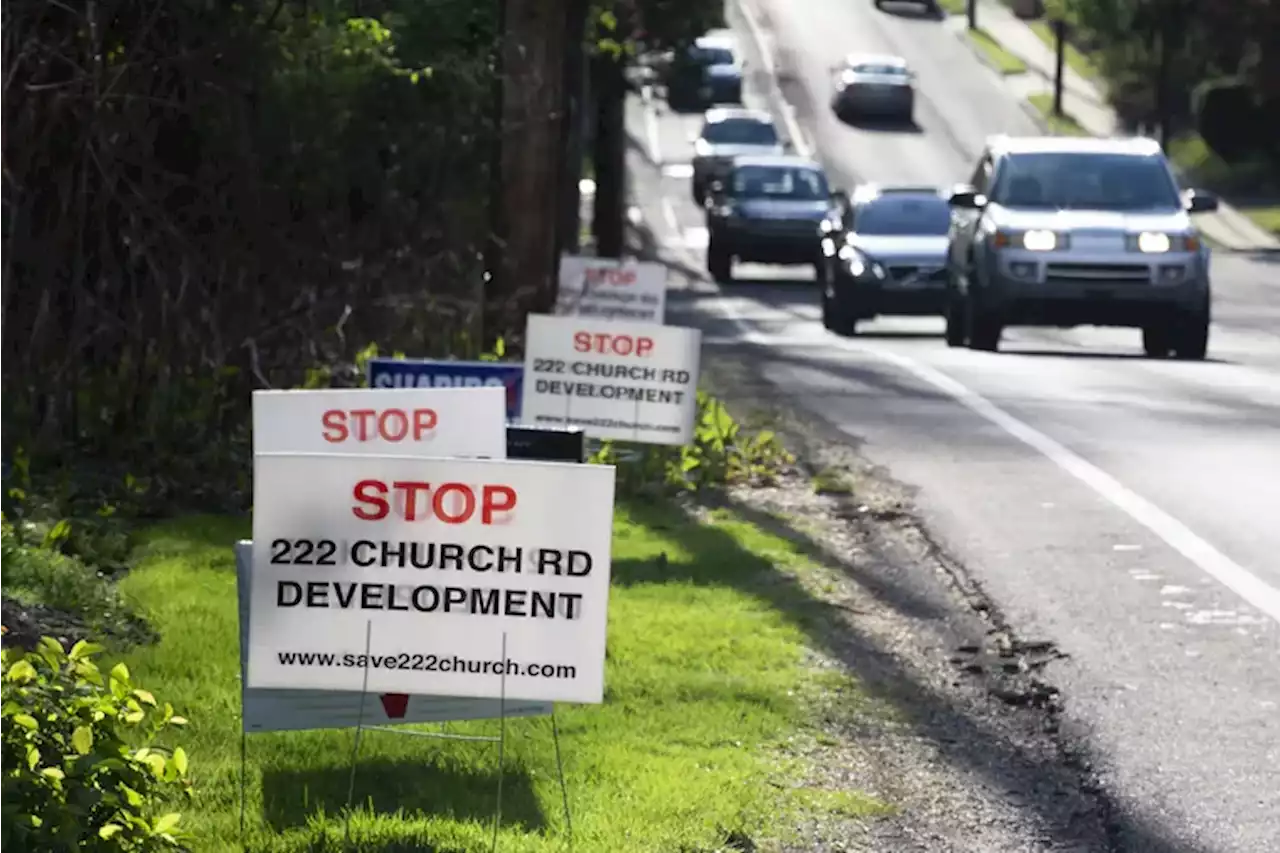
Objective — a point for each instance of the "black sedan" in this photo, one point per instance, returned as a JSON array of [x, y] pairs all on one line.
[[885, 252]]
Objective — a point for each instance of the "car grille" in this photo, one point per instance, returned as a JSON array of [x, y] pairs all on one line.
[[901, 272], [1074, 273]]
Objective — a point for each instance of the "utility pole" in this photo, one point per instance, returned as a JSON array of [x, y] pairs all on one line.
[[575, 78], [1060, 54], [973, 14], [609, 154]]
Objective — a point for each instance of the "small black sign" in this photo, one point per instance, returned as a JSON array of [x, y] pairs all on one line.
[[549, 444]]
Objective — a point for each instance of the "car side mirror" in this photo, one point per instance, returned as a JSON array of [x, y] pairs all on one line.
[[967, 198], [1199, 201]]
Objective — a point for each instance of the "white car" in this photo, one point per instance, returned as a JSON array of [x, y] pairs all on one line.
[[728, 132]]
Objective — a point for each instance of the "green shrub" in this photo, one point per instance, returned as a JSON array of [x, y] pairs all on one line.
[[82, 771], [721, 453], [35, 573]]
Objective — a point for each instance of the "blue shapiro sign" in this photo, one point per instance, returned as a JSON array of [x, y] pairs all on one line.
[[414, 373]]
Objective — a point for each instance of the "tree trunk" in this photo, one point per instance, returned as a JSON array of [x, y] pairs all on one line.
[[575, 75], [532, 114], [610, 156]]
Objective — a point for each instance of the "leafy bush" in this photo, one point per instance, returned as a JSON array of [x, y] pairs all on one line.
[[38, 573], [721, 453], [82, 771], [1228, 119]]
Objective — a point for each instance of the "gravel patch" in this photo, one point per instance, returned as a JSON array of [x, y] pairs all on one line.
[[955, 724]]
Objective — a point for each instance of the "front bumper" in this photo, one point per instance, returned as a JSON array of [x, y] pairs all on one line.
[[890, 100], [908, 292], [1062, 289], [775, 241]]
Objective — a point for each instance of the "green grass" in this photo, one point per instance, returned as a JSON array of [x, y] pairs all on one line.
[[1079, 62], [1004, 61], [1063, 125], [955, 7], [1267, 217], [710, 627], [832, 481]]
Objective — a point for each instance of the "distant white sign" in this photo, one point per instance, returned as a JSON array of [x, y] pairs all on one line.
[[442, 559], [266, 710], [410, 421], [618, 381], [609, 289]]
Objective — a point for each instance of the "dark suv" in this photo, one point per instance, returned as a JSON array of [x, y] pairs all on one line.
[[767, 210]]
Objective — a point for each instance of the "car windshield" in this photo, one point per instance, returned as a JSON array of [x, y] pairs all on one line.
[[740, 131], [905, 215], [1086, 181], [789, 182], [711, 55], [874, 68]]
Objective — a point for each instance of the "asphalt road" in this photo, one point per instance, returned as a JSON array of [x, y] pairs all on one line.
[[1128, 509]]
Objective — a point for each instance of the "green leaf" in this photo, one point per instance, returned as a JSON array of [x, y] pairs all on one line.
[[53, 773], [120, 673], [180, 760], [82, 739], [110, 829], [84, 649], [21, 672], [178, 721], [26, 721], [145, 696], [57, 533], [166, 823], [33, 756], [131, 796]]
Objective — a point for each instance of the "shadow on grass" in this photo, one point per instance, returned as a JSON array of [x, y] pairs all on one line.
[[962, 738], [291, 797]]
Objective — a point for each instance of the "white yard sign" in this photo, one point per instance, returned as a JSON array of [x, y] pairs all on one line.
[[268, 710], [442, 561], [608, 289], [618, 381], [395, 421]]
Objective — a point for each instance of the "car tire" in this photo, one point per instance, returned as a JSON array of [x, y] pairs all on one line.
[[699, 193], [983, 327], [836, 316], [719, 262], [955, 334], [1191, 335], [1157, 342]]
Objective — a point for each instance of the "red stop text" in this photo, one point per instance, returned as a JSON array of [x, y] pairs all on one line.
[[610, 276], [609, 344], [391, 425], [413, 500]]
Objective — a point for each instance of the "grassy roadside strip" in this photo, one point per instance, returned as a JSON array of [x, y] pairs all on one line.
[[1075, 59], [999, 58], [1063, 125], [709, 681]]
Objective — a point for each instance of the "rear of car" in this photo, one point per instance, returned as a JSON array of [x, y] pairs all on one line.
[[707, 73], [767, 212], [728, 133], [1082, 232], [882, 87], [886, 257]]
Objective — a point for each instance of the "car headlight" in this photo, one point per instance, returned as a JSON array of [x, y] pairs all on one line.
[[858, 264], [1158, 243], [1034, 240]]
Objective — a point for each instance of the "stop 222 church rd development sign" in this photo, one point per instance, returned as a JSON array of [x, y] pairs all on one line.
[[385, 566], [618, 381]]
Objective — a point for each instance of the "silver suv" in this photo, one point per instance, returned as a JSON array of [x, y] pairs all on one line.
[[1070, 231]]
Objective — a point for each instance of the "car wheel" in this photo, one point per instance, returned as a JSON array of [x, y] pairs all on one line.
[[955, 335], [1191, 335], [838, 316], [719, 262], [879, 4], [983, 327], [1156, 341]]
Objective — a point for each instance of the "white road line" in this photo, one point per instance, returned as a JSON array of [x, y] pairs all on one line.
[[1172, 532], [771, 71], [669, 216], [651, 131]]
